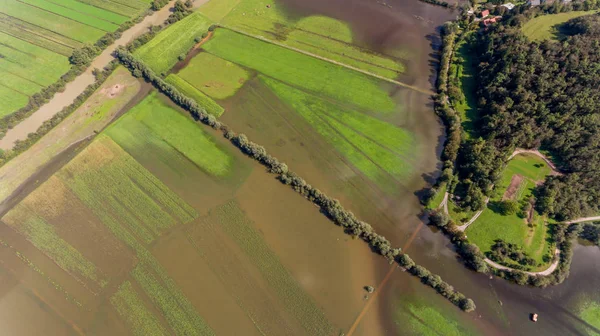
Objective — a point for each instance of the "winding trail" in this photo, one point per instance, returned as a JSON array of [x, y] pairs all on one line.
[[76, 87], [545, 272]]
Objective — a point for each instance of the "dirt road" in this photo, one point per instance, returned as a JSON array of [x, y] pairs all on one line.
[[77, 86]]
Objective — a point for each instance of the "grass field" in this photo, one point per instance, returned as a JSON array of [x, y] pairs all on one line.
[[38, 36], [189, 90], [462, 71], [152, 120], [162, 52], [545, 27], [132, 309], [378, 149], [321, 35], [491, 225], [300, 70], [214, 76], [590, 313]]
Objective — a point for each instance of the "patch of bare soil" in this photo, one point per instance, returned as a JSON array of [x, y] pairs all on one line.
[[213, 84], [512, 189], [113, 91]]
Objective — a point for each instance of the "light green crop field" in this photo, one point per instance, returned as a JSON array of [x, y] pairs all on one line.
[[51, 21], [76, 15], [153, 120], [319, 77], [132, 309], [544, 27], [463, 73], [234, 222], [491, 225], [201, 99], [111, 183], [43, 236], [162, 52], [130, 8], [214, 76], [379, 150], [321, 35], [11, 100]]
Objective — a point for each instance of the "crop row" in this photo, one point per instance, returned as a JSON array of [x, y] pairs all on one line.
[[76, 15], [130, 8]]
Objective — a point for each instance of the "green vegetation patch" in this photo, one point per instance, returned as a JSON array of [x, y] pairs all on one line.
[[153, 120], [461, 76], [235, 223], [190, 91], [216, 10], [299, 70], [590, 313], [117, 188], [381, 151], [517, 183], [130, 8], [426, 320], [214, 76], [163, 51], [11, 100], [51, 21], [545, 27], [132, 309], [94, 11], [182, 321], [78, 15], [43, 236]]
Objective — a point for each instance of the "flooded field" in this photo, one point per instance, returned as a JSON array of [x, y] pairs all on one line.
[[160, 226]]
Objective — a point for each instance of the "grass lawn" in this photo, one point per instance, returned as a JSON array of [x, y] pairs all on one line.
[[463, 74], [435, 202], [300, 70], [162, 52], [590, 313], [379, 150], [491, 225], [216, 10], [189, 90], [318, 34], [545, 26], [152, 120], [214, 76]]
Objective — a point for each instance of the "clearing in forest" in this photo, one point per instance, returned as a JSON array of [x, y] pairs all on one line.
[[526, 228], [545, 27]]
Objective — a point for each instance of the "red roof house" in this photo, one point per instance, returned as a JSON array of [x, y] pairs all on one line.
[[485, 13]]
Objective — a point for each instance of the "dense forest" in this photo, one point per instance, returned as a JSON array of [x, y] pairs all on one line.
[[538, 95]]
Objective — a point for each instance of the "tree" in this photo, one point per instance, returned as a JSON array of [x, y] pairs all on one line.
[[467, 305], [83, 55], [508, 207]]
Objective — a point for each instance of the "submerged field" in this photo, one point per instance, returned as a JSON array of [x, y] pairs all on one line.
[[529, 230], [321, 35], [166, 227], [38, 36]]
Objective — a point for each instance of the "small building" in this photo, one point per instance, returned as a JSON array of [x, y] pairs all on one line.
[[508, 5], [485, 13], [490, 21], [534, 3]]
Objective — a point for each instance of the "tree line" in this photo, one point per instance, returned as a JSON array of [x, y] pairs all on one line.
[[329, 206]]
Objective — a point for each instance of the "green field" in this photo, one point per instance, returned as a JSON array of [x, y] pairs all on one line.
[[378, 149], [153, 121], [491, 225], [300, 70], [461, 72], [162, 52], [590, 313], [321, 35], [214, 76], [545, 27], [132, 309], [38, 36], [190, 91]]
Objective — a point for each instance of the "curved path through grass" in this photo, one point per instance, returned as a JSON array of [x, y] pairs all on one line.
[[545, 272]]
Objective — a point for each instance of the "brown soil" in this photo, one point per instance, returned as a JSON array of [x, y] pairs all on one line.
[[515, 183], [113, 91]]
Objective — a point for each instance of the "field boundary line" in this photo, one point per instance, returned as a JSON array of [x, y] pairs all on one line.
[[64, 17], [264, 39], [86, 14]]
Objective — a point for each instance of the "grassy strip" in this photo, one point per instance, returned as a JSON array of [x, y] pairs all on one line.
[[217, 9], [235, 223], [11, 100], [77, 16], [43, 236], [35, 39], [162, 51], [160, 120], [18, 83], [203, 100], [132, 309], [315, 75], [330, 207], [92, 11], [214, 76], [56, 23], [9, 25], [178, 318], [125, 10]]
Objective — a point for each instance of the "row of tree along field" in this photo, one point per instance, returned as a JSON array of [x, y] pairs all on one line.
[[331, 207]]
